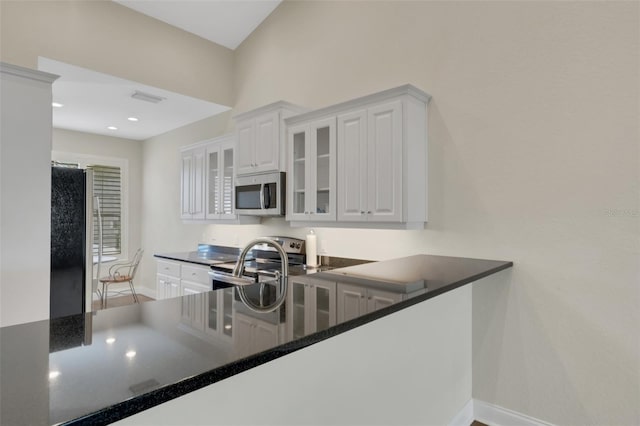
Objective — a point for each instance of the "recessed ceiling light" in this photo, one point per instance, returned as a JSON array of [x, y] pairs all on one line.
[[111, 340], [132, 119], [57, 104], [112, 128], [53, 374], [130, 354]]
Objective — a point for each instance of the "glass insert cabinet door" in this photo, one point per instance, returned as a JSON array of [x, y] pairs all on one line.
[[313, 171], [219, 313], [220, 182], [226, 182], [312, 306], [213, 183]]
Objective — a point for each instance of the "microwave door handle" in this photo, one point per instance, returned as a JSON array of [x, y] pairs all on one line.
[[262, 196], [267, 196]]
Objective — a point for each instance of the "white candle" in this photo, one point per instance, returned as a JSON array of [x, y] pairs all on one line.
[[311, 248]]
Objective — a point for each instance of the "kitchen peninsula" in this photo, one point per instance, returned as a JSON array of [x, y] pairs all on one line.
[[105, 366]]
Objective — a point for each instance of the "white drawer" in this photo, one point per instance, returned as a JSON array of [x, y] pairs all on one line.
[[196, 274], [168, 268]]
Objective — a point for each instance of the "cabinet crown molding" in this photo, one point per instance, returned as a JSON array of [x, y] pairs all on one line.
[[45, 77], [406, 89], [221, 138], [270, 107]]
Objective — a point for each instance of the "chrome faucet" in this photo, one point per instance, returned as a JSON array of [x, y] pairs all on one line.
[[238, 270], [282, 276]]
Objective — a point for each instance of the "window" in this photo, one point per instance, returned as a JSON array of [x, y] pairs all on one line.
[[107, 189]]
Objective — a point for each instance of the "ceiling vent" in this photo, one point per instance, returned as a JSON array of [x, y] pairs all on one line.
[[147, 97]]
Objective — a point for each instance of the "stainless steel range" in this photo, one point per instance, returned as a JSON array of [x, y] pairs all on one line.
[[262, 264]]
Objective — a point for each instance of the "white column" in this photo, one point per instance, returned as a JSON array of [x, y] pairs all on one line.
[[25, 194]]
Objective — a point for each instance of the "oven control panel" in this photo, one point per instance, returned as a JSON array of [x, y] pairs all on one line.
[[290, 245]]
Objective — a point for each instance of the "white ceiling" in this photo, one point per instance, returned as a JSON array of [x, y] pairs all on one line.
[[226, 22], [93, 101]]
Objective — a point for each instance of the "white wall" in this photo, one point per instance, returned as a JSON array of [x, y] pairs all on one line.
[[86, 144], [533, 157], [162, 229]]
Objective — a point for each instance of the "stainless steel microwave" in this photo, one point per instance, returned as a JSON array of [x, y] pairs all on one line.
[[260, 195]]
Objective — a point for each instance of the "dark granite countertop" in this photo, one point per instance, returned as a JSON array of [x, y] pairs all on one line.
[[209, 255], [103, 366], [205, 255]]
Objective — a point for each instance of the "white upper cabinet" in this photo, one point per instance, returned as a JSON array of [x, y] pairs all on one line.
[[312, 171], [380, 162], [219, 196], [192, 183], [245, 146], [352, 193], [370, 159], [260, 138], [207, 182]]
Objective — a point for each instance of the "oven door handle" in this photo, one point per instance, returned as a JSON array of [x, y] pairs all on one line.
[[230, 279]]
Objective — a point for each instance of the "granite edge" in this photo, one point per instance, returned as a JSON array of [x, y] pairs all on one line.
[[156, 397]]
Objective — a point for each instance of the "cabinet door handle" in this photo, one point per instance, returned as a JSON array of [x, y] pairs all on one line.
[[361, 212], [369, 212]]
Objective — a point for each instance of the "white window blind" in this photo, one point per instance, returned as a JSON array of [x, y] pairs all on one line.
[[107, 186]]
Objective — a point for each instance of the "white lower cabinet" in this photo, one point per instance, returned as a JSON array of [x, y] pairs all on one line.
[[252, 335], [188, 287], [194, 279], [176, 278], [219, 314], [167, 279], [167, 286], [193, 310], [210, 316], [311, 306], [354, 301]]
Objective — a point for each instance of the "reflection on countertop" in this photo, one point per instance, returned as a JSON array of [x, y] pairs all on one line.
[[103, 366]]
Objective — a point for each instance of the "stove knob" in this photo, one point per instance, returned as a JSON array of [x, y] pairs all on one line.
[[292, 244], [298, 245]]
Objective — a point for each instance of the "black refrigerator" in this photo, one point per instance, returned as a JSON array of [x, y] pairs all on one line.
[[71, 248]]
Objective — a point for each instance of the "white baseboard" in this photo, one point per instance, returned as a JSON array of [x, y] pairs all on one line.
[[465, 416], [146, 292], [493, 415]]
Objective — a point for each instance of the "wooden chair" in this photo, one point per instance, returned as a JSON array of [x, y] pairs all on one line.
[[121, 272]]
